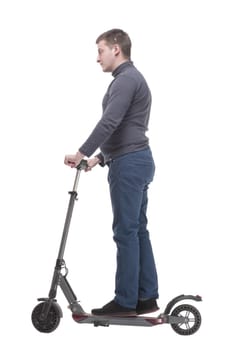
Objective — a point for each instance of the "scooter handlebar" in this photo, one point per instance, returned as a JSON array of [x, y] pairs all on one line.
[[82, 165]]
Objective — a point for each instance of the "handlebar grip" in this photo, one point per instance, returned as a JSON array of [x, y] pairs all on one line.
[[82, 165]]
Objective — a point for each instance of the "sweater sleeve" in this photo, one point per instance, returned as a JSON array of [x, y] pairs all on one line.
[[121, 93]]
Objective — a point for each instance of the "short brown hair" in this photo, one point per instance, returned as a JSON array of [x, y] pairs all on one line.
[[117, 36]]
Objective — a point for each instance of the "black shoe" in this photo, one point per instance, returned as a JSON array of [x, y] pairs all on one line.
[[146, 306], [114, 309]]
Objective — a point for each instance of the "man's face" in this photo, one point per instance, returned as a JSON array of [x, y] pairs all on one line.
[[107, 56]]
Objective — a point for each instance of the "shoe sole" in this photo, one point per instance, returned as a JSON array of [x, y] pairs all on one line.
[[146, 311]]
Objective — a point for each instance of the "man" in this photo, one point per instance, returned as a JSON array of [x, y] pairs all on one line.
[[120, 135]]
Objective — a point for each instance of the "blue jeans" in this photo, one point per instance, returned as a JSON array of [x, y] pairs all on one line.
[[136, 276]]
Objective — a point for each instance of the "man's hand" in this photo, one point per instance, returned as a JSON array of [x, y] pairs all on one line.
[[73, 160], [92, 162]]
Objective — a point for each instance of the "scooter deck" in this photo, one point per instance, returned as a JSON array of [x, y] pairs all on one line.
[[143, 321]]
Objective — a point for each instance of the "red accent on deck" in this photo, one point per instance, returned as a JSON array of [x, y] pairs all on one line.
[[79, 318], [154, 320]]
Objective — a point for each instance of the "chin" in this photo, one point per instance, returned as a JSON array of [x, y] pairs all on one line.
[[106, 69]]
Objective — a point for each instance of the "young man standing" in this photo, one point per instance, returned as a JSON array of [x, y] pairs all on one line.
[[120, 135]]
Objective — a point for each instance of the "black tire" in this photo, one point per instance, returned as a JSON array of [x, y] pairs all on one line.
[[51, 322], [192, 322]]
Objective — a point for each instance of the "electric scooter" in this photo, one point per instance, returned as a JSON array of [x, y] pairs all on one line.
[[185, 319]]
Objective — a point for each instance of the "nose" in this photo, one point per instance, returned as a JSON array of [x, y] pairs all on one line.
[[98, 59]]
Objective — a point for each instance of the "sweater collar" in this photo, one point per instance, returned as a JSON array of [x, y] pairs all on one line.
[[121, 68]]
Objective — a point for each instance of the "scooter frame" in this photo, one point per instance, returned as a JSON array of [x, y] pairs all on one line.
[[185, 319]]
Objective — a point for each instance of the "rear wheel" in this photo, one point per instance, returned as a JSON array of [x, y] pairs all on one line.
[[191, 322], [51, 322]]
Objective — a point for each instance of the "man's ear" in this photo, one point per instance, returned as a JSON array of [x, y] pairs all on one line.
[[116, 49]]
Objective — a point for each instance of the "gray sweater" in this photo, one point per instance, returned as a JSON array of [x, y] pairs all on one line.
[[126, 111]]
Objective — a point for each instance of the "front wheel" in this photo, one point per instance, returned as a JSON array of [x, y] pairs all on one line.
[[191, 319], [51, 322]]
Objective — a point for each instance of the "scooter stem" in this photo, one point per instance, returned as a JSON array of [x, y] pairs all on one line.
[[73, 196], [82, 166]]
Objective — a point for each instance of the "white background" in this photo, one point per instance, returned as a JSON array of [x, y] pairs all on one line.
[[51, 94]]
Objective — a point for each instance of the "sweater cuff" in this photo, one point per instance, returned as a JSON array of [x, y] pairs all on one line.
[[101, 158]]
